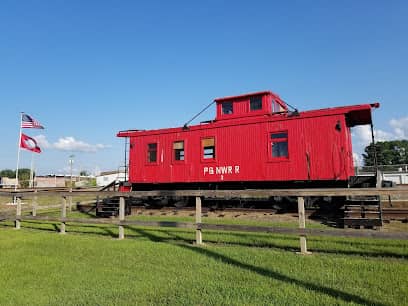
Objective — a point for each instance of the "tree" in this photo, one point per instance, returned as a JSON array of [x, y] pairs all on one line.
[[83, 173], [8, 173], [393, 152], [23, 175]]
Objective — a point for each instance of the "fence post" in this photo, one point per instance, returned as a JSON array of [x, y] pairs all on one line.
[[121, 217], [63, 214], [70, 201], [302, 225], [35, 198], [18, 214], [199, 235], [97, 205]]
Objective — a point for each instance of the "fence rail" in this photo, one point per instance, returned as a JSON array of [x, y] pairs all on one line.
[[247, 193], [387, 168], [121, 222]]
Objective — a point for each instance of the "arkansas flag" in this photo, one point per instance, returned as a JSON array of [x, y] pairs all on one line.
[[29, 143]]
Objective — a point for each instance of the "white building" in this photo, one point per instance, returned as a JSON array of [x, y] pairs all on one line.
[[399, 178], [105, 178], [49, 181], [6, 182]]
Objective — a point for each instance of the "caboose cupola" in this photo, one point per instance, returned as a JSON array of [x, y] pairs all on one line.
[[248, 105]]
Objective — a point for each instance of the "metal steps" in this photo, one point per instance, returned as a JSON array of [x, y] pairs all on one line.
[[109, 207], [360, 212]]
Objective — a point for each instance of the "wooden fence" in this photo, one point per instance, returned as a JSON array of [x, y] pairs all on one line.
[[121, 222]]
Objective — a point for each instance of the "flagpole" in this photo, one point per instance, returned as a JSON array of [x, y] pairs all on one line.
[[32, 171], [18, 151]]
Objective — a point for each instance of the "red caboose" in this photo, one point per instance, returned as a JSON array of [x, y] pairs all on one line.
[[254, 142]]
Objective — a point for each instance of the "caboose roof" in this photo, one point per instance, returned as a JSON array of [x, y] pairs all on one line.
[[258, 93], [355, 115]]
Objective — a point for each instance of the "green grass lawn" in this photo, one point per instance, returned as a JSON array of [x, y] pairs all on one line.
[[88, 266]]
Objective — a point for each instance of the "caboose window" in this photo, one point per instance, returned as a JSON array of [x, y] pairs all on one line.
[[279, 144], [279, 135], [208, 145], [276, 107], [255, 103], [178, 147], [227, 108], [152, 152]]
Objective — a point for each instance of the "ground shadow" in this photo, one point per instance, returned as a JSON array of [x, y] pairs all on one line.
[[150, 236], [289, 244], [347, 297], [87, 210], [186, 244], [173, 235], [335, 293]]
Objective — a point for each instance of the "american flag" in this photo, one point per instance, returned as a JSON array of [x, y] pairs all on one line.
[[28, 122]]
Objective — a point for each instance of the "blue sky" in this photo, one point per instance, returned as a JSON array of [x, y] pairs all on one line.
[[88, 69]]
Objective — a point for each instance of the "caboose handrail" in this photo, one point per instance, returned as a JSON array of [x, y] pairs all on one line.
[[185, 126]]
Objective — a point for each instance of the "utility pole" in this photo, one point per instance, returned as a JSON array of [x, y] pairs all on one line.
[[71, 162]]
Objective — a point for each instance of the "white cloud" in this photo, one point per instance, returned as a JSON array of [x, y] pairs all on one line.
[[361, 134], [69, 143], [400, 127], [42, 141], [357, 159], [381, 135], [399, 130]]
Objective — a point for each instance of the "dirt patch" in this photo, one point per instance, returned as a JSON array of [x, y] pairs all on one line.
[[261, 216], [221, 214], [395, 226]]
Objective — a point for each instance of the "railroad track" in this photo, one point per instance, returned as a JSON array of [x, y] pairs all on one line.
[[395, 214], [388, 213]]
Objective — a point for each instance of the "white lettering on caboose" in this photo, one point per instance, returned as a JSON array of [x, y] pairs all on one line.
[[221, 170]]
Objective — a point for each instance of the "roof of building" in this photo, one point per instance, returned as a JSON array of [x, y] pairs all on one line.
[[111, 172]]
